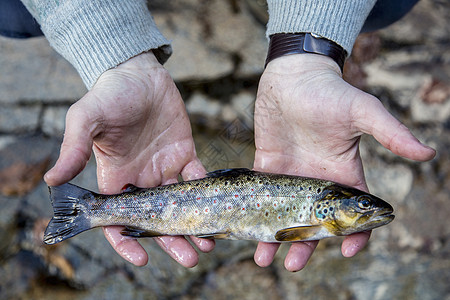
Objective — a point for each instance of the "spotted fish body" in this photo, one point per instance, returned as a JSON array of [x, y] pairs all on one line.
[[230, 204]]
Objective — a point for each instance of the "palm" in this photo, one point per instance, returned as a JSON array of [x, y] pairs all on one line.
[[139, 138], [310, 132], [308, 122], [135, 121]]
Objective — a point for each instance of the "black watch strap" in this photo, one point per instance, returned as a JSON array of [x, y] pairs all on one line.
[[282, 44]]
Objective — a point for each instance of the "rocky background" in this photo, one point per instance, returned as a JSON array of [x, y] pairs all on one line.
[[219, 53]]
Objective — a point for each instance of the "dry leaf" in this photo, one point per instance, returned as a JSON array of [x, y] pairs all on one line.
[[20, 178], [435, 91]]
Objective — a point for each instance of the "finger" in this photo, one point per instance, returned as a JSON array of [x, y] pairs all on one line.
[[179, 249], [265, 252], [127, 247], [204, 245], [298, 255], [193, 170], [374, 119], [75, 151], [354, 243]]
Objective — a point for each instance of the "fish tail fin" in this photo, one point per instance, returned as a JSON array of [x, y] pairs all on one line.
[[69, 218]]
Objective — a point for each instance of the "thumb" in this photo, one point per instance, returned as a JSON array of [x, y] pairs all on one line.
[[372, 118], [75, 149]]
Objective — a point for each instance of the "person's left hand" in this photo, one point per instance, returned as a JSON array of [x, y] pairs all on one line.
[[308, 122], [135, 121]]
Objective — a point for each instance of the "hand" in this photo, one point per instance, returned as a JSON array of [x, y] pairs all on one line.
[[308, 121], [135, 121]]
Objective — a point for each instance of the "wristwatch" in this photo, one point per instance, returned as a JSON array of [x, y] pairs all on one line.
[[282, 44]]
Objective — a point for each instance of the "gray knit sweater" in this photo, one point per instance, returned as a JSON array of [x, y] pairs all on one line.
[[97, 35], [337, 20]]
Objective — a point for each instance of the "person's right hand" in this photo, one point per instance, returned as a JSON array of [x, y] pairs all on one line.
[[135, 121]]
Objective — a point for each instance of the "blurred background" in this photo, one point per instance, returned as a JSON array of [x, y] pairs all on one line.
[[219, 53]]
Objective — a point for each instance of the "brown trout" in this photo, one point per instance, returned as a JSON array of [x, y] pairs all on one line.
[[227, 204]]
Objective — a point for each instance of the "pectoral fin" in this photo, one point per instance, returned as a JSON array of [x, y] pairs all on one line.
[[216, 235], [130, 188], [299, 233], [138, 233]]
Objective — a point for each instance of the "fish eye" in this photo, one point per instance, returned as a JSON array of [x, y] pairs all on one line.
[[364, 202]]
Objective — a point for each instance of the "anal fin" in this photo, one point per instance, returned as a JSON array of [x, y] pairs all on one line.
[[299, 233], [215, 235], [139, 233]]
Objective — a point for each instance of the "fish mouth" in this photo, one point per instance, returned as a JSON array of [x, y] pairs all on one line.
[[384, 218], [379, 218]]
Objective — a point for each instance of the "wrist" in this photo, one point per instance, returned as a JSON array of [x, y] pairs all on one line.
[[296, 64], [145, 61], [142, 67]]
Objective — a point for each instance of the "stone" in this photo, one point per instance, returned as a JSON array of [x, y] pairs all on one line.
[[403, 85], [168, 277], [366, 276], [435, 91], [6, 140], [20, 178], [90, 265], [211, 40], [433, 17], [53, 121], [116, 285], [18, 274], [182, 23], [244, 105], [15, 119], [430, 111], [235, 280], [201, 105], [391, 182], [235, 30], [420, 217], [21, 168], [34, 73], [10, 206]]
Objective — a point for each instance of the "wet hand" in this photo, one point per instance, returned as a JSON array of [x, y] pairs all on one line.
[[308, 121], [135, 121]]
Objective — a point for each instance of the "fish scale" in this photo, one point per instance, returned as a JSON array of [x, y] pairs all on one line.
[[195, 208], [231, 204]]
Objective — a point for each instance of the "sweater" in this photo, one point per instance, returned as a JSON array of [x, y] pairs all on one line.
[[337, 20], [98, 35]]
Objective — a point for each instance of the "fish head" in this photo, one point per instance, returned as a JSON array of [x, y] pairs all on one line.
[[344, 210]]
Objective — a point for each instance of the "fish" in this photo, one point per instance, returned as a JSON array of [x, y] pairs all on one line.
[[236, 204]]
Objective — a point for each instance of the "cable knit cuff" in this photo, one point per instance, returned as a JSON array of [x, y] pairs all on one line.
[[339, 20], [97, 35]]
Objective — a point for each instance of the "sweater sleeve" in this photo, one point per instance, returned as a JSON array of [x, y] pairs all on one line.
[[98, 35], [337, 20]]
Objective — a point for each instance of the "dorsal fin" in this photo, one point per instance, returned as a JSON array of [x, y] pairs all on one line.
[[228, 172]]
